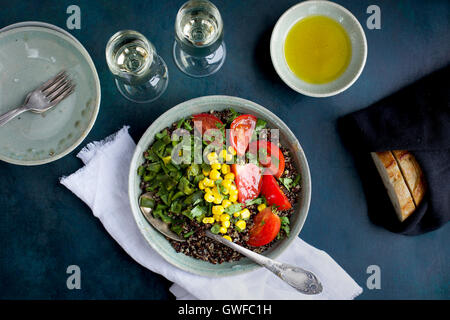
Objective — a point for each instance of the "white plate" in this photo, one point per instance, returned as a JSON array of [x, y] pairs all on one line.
[[336, 12]]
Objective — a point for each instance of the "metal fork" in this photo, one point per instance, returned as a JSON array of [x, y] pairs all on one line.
[[43, 98]]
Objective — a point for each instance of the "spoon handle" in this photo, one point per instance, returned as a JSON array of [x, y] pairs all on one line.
[[302, 280]]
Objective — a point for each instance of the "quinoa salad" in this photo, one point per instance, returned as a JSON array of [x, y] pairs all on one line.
[[243, 186]]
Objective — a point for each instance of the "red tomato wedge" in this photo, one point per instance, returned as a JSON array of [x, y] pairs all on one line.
[[248, 181], [266, 227], [273, 193], [241, 130], [205, 121], [269, 156]]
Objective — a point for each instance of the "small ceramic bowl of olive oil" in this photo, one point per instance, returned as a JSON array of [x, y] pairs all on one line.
[[318, 48]]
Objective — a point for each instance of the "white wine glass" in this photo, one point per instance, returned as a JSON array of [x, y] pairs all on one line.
[[140, 74], [199, 49]]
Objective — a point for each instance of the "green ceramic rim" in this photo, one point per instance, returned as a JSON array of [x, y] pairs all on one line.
[[68, 37], [159, 243]]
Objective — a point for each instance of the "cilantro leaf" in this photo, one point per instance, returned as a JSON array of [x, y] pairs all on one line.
[[287, 182], [233, 208], [255, 201]]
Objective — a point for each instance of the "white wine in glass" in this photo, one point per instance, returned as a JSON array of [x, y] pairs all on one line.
[[141, 75], [199, 49]]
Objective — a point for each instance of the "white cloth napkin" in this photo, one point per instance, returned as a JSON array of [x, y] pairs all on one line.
[[102, 184]]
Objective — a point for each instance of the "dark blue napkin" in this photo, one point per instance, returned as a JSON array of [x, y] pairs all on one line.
[[417, 119]]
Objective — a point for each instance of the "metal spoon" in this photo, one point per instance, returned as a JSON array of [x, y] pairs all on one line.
[[158, 224], [302, 280]]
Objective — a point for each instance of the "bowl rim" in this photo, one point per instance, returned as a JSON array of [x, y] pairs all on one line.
[[306, 178], [276, 30], [85, 54]]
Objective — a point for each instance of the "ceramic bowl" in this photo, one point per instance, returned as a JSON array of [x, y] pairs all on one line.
[[31, 53], [336, 12], [205, 104]]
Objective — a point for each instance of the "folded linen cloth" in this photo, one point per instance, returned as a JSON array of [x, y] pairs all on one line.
[[103, 185], [417, 119]]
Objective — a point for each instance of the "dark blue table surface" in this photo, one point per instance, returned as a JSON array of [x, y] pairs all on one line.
[[44, 227]]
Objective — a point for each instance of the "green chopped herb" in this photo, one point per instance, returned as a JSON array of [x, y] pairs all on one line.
[[180, 123], [255, 201], [188, 234], [234, 115], [147, 202], [260, 124], [287, 182], [233, 208], [296, 180], [161, 135], [215, 229], [285, 225], [177, 228], [198, 212], [187, 126], [154, 167], [141, 170]]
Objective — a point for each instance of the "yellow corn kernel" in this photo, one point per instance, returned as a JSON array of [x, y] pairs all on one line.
[[225, 191], [224, 217], [236, 214], [212, 157], [223, 230], [208, 190], [229, 157], [209, 197], [261, 207], [208, 220], [217, 210], [226, 224], [205, 172], [214, 174], [226, 203], [208, 182], [180, 153], [201, 185], [225, 169], [223, 154], [227, 237], [241, 224], [167, 159], [232, 150], [216, 166], [233, 187], [217, 200], [233, 192], [233, 198], [245, 214], [229, 176], [226, 184]]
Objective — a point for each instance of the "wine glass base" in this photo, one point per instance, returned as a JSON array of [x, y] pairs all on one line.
[[199, 66], [148, 91]]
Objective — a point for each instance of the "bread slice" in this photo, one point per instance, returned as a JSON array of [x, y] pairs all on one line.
[[412, 173], [395, 183]]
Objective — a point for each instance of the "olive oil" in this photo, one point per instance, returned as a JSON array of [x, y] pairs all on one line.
[[317, 49]]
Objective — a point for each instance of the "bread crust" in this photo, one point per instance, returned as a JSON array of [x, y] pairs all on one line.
[[395, 184], [412, 173]]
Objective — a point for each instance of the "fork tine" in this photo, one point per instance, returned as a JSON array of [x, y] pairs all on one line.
[[54, 86], [57, 92], [63, 94], [52, 80], [51, 90]]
